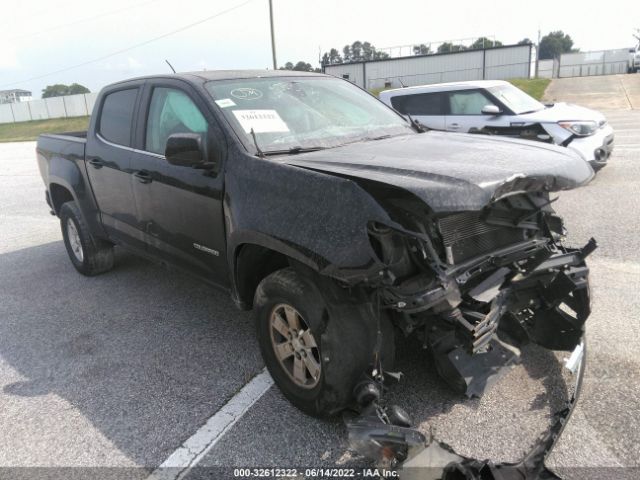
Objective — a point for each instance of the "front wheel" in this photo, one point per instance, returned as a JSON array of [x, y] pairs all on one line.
[[89, 255], [315, 351]]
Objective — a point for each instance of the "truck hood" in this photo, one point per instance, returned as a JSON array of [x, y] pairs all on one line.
[[452, 172], [563, 111]]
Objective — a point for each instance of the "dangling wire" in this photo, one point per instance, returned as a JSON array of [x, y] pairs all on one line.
[[377, 360]]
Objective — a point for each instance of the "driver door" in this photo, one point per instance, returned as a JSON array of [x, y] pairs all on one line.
[[179, 208]]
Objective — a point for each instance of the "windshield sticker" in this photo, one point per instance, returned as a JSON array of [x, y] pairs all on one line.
[[262, 121], [246, 93], [225, 102]]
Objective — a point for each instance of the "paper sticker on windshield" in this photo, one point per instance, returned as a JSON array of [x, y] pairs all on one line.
[[225, 102], [262, 121]]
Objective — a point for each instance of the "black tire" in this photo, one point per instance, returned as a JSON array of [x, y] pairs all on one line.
[[345, 335], [96, 255]]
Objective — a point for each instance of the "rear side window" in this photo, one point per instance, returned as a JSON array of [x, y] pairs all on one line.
[[116, 117], [468, 102], [419, 104]]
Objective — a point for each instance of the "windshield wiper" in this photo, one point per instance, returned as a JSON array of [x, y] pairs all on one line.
[[259, 152], [294, 150], [417, 125]]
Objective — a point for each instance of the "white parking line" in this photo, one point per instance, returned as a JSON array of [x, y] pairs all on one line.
[[189, 454]]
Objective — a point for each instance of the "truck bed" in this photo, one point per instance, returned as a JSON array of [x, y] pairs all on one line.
[[60, 151], [80, 136]]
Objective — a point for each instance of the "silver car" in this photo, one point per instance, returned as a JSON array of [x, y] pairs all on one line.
[[497, 107]]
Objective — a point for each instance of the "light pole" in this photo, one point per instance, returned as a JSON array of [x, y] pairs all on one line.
[[273, 38]]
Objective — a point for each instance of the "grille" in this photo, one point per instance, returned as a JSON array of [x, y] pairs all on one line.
[[465, 235]]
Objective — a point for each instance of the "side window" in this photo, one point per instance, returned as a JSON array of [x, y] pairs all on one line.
[[116, 116], [419, 104], [467, 102], [171, 111]]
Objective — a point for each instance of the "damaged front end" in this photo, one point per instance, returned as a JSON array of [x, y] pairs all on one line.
[[460, 280], [474, 286]]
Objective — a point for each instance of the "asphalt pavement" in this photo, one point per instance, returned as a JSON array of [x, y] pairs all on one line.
[[117, 371]]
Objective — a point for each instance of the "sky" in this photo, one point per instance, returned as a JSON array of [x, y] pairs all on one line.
[[41, 37]]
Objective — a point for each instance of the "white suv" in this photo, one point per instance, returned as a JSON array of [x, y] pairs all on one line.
[[496, 107]]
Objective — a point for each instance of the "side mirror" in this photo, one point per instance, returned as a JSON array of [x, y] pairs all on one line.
[[186, 149], [491, 110]]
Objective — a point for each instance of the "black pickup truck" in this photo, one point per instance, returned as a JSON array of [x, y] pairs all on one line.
[[337, 220]]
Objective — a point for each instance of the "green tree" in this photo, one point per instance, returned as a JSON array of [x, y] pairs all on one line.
[[56, 90], [448, 47], [346, 53], [554, 44], [525, 41], [331, 57], [76, 88], [60, 90], [301, 66], [484, 42], [356, 52], [378, 55], [421, 49]]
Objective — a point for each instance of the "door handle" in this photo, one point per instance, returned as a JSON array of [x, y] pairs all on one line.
[[96, 163], [143, 176], [454, 125]]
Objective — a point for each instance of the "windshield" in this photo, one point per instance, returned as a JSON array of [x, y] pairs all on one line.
[[515, 99], [289, 113]]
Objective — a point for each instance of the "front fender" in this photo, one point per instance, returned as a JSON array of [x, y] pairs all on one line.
[[316, 218]]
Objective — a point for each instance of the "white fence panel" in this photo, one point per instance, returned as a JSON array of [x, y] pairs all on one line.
[[603, 62], [6, 114], [90, 100], [21, 112], [39, 110], [545, 69], [75, 106], [503, 63], [55, 106]]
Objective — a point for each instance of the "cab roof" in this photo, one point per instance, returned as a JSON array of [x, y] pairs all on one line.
[[207, 75]]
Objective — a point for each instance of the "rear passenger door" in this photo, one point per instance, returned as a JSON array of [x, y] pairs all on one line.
[[427, 108], [465, 111], [108, 158], [180, 210]]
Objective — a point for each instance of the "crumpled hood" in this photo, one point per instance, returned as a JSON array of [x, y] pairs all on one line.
[[563, 111], [453, 172]]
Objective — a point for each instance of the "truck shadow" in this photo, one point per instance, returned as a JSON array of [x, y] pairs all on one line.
[[144, 354]]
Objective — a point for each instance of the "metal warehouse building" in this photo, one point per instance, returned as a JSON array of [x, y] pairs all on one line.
[[512, 61]]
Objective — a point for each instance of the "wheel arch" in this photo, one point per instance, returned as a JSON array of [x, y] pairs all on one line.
[[59, 194], [252, 262]]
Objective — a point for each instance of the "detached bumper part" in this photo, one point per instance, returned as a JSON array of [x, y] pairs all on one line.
[[422, 458], [473, 374]]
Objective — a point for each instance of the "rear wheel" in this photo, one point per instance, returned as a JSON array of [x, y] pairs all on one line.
[[89, 255], [315, 350]]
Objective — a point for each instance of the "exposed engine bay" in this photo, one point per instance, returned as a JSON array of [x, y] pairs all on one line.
[[503, 268], [473, 286]]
